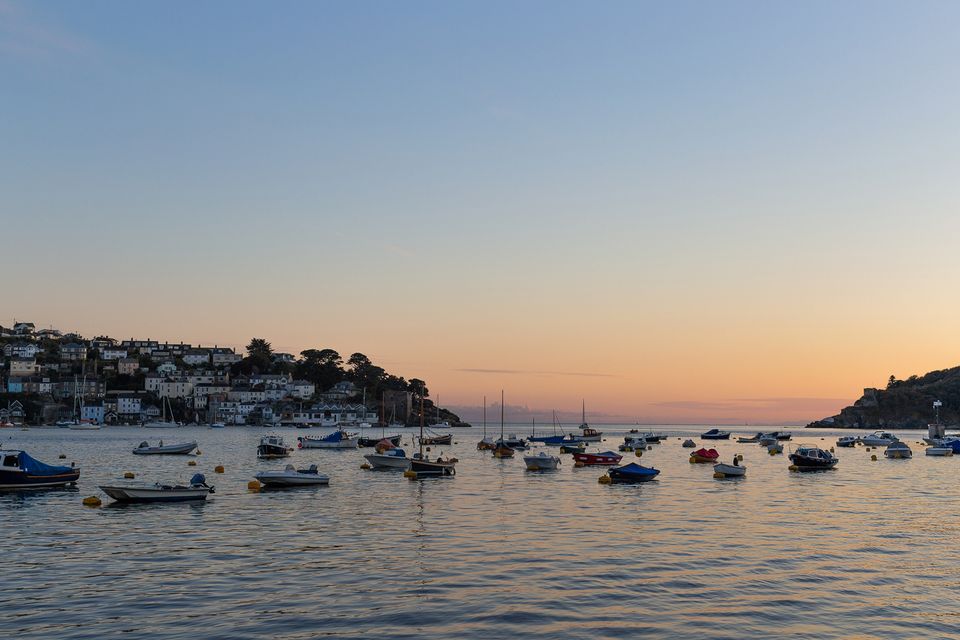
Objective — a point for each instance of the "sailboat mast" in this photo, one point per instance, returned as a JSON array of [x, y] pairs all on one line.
[[484, 417], [501, 417], [421, 422]]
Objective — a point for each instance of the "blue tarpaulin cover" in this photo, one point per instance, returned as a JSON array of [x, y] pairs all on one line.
[[38, 468]]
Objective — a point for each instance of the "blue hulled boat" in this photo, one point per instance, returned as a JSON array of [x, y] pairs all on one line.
[[632, 472], [19, 471]]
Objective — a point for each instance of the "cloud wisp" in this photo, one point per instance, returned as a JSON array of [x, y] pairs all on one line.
[[512, 372], [27, 35]]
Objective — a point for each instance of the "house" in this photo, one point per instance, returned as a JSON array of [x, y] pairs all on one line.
[[151, 382], [36, 384], [21, 350], [127, 366], [303, 389], [129, 406], [92, 412], [284, 357], [103, 343], [224, 357], [167, 369], [86, 387], [23, 328], [196, 357], [171, 388], [14, 385], [139, 346], [160, 356], [73, 351], [23, 366], [210, 388], [50, 334], [112, 353], [247, 394], [339, 392], [13, 413]]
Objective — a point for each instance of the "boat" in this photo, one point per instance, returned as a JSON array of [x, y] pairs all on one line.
[[573, 447], [879, 439], [774, 448], [218, 425], [557, 438], [442, 439], [183, 448], [18, 470], [292, 477], [847, 441], [809, 458], [512, 441], [84, 426], [372, 442], [745, 440], [198, 489], [339, 439], [938, 451], [632, 472], [541, 462], [899, 450], [163, 423], [704, 455], [587, 434], [272, 446], [715, 434], [631, 443], [421, 466], [689, 444], [735, 470], [389, 459], [595, 459], [652, 437], [485, 444], [501, 449]]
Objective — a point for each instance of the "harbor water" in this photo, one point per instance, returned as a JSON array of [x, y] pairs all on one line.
[[863, 551]]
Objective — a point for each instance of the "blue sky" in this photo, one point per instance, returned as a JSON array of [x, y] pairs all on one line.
[[709, 170]]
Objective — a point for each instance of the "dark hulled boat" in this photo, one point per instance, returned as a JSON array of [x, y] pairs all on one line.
[[813, 459], [20, 471], [372, 442]]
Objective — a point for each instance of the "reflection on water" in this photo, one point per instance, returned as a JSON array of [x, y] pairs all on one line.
[[863, 551]]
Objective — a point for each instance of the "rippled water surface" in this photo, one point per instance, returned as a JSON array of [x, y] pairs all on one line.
[[865, 551]]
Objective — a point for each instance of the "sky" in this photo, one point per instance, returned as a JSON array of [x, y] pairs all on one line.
[[676, 212]]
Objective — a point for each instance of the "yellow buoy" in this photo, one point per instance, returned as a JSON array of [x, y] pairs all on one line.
[[740, 457], [92, 501], [831, 449], [410, 473], [578, 464], [218, 468], [364, 466], [63, 456], [717, 474], [604, 479], [793, 467], [874, 457], [639, 453], [772, 452], [253, 485], [192, 463], [128, 475], [692, 460]]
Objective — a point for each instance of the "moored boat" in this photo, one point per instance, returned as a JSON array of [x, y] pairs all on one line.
[[389, 459], [734, 470], [541, 462], [715, 434], [879, 439], [182, 448], [688, 444], [938, 451], [898, 450], [575, 447], [594, 459], [702, 455], [435, 440], [744, 439], [847, 441], [18, 470], [632, 472], [372, 442], [292, 477], [196, 490], [273, 446], [339, 439], [631, 443], [809, 458]]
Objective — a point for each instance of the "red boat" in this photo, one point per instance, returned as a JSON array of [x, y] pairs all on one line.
[[605, 458], [704, 455]]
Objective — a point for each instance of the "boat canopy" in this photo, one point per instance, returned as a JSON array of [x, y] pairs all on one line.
[[32, 465]]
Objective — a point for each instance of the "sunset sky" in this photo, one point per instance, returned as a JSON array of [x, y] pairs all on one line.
[[678, 211]]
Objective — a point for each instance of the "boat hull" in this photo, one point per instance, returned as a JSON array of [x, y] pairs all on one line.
[[431, 469], [372, 442], [938, 451], [730, 470], [285, 479], [541, 463], [168, 450], [27, 480], [381, 461], [435, 440], [593, 459], [314, 443], [149, 494], [632, 473]]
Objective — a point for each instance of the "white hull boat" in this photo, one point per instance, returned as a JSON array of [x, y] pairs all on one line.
[[730, 470], [160, 425], [197, 490], [389, 459], [939, 451], [84, 426], [181, 448], [292, 477], [898, 450], [541, 462], [879, 439], [306, 442]]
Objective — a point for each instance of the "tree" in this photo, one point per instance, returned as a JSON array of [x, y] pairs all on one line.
[[259, 356], [322, 367], [418, 388]]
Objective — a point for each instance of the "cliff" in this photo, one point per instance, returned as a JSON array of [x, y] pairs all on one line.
[[904, 404]]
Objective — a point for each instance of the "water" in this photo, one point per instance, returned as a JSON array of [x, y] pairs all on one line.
[[864, 551]]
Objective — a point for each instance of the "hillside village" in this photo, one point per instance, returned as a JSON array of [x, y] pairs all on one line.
[[51, 377]]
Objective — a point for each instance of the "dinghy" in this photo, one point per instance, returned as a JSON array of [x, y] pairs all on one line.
[[593, 459], [632, 443], [632, 472], [389, 459], [689, 444], [847, 441], [939, 451], [292, 477], [197, 490], [541, 462], [898, 450], [730, 470], [715, 434], [704, 455], [182, 448], [339, 439], [573, 448], [272, 446]]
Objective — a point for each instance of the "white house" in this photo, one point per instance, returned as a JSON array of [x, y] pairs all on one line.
[[151, 382], [196, 357], [302, 389], [128, 405], [23, 328], [167, 369], [224, 357], [23, 367], [73, 351], [92, 411], [21, 350], [112, 353], [127, 366], [171, 388]]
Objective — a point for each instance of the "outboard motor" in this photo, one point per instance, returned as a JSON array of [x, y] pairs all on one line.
[[143, 445], [198, 478]]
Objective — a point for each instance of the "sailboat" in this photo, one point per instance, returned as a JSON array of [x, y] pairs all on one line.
[[163, 423], [556, 439], [502, 450], [587, 434], [79, 424], [421, 466], [364, 441], [486, 444]]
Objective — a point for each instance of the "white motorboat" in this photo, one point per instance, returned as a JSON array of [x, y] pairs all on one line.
[[541, 462], [182, 448], [196, 490], [337, 440], [898, 450], [755, 438], [879, 439], [847, 441], [631, 443], [292, 477], [84, 426], [939, 451], [390, 459], [730, 470]]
